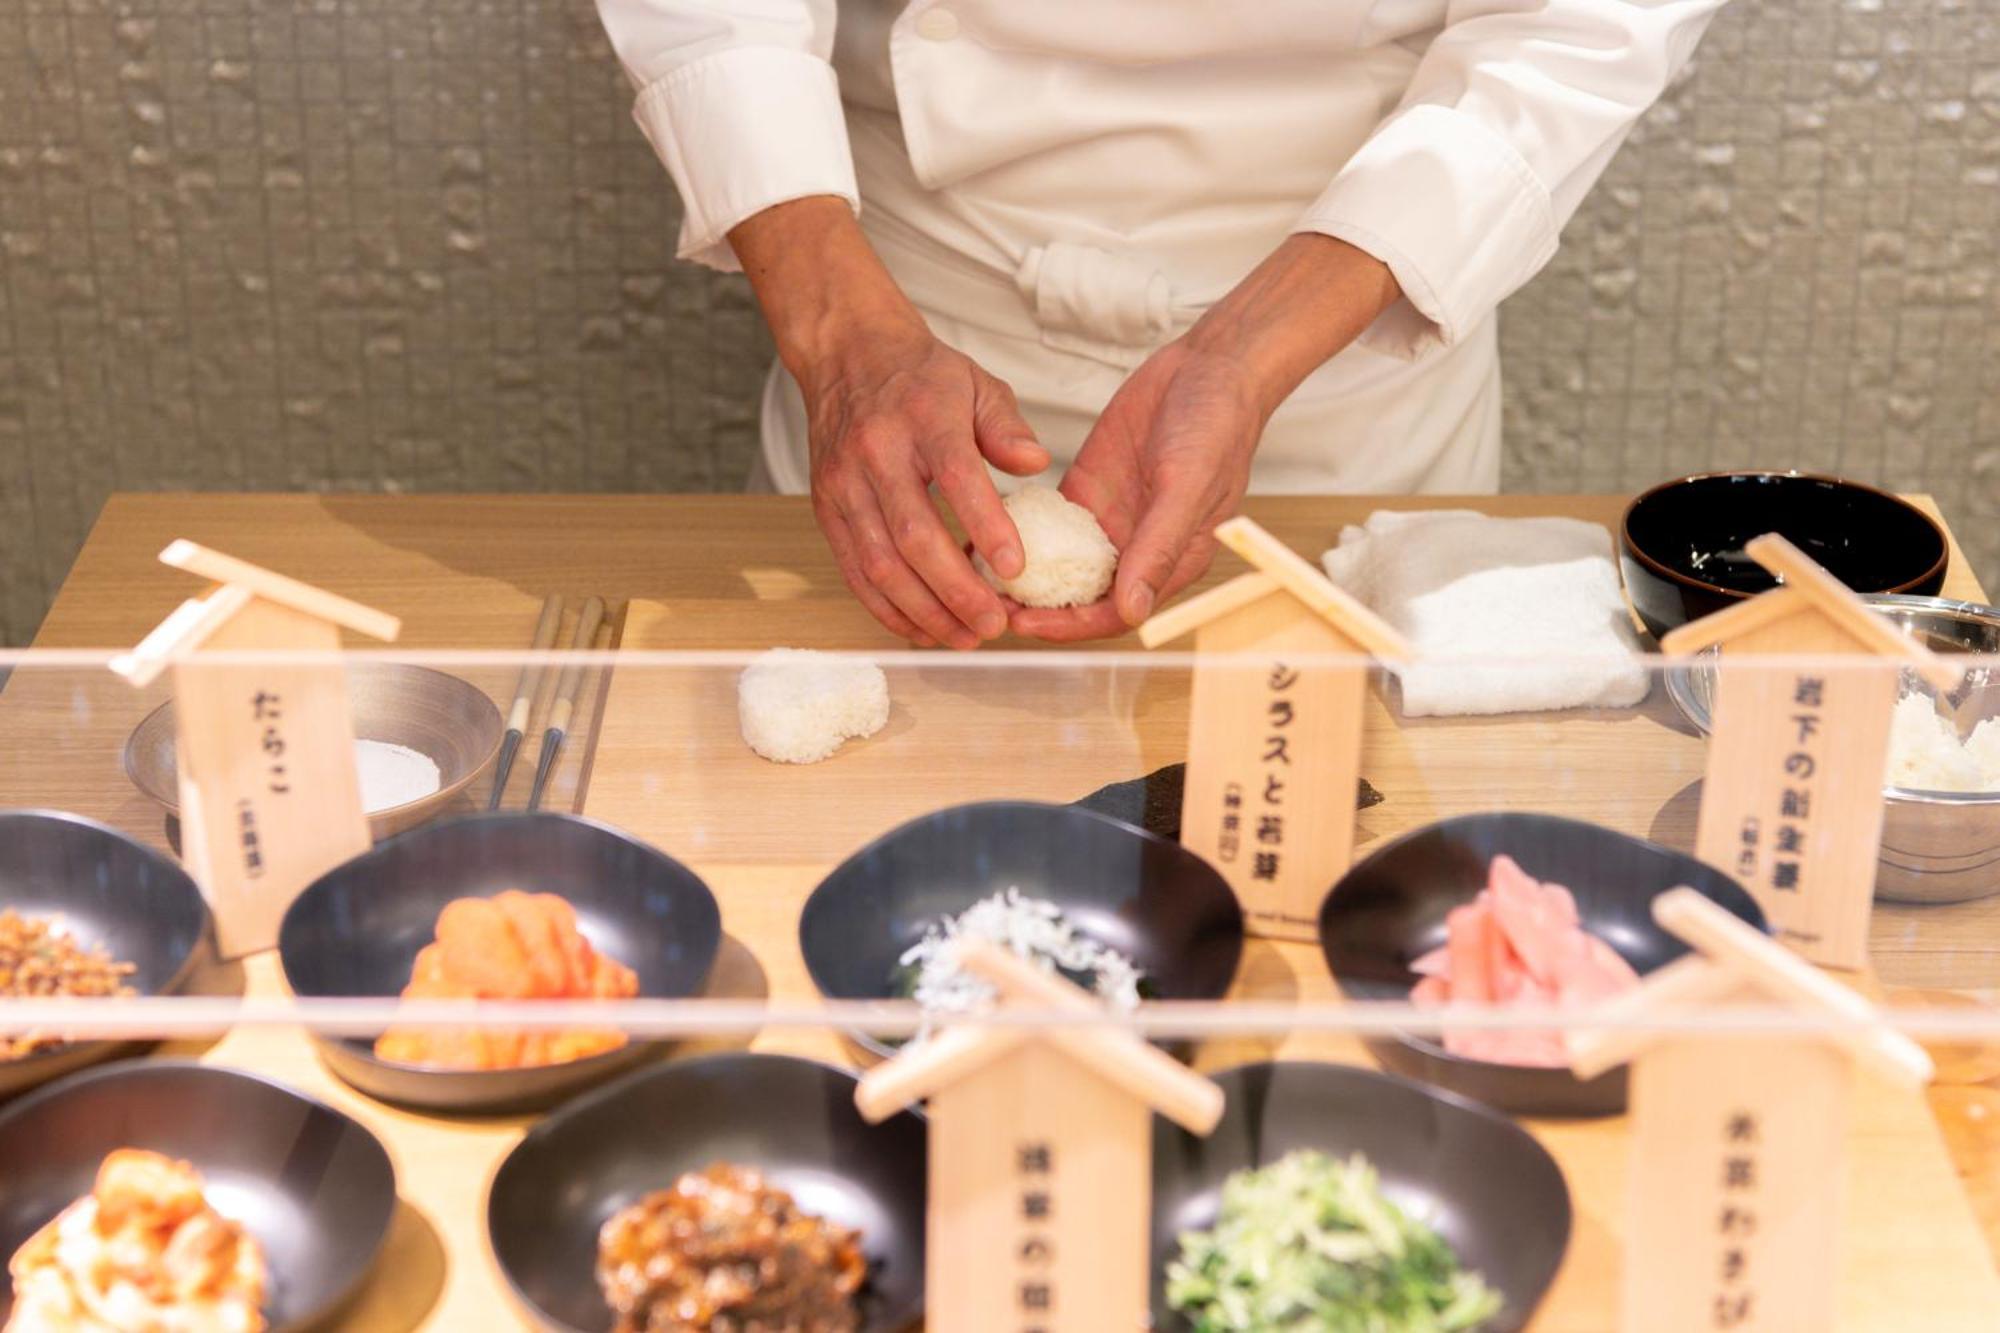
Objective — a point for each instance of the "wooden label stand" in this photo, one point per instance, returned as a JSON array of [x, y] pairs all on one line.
[[1274, 747], [1738, 1141], [269, 796], [1040, 1160], [1792, 799]]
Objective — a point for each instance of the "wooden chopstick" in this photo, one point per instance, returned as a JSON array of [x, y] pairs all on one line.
[[587, 622], [524, 696]]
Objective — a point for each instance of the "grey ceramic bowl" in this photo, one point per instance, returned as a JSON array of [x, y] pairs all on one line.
[[431, 712], [108, 890], [1937, 847]]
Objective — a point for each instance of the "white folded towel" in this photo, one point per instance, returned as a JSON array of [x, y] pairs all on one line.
[[1520, 614]]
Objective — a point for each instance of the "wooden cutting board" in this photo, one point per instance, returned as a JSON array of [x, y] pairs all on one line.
[[672, 766]]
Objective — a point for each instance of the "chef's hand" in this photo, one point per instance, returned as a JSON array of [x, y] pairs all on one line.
[[1169, 458], [891, 411]]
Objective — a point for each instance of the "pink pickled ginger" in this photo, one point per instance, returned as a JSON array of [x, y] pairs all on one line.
[[1518, 942]]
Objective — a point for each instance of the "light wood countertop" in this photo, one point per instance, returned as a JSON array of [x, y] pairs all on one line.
[[470, 571]]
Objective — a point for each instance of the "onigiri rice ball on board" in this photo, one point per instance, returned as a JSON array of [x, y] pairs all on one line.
[[797, 706], [1069, 559]]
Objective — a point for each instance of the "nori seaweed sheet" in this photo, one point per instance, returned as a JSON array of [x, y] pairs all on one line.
[[1154, 801]]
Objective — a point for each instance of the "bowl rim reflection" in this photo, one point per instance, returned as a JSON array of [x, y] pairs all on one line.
[[1680, 688], [170, 800], [1655, 566]]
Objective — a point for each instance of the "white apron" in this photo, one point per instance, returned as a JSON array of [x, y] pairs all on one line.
[[1062, 186], [1063, 322]]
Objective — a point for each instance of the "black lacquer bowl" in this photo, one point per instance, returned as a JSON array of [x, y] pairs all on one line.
[[108, 890], [358, 928], [793, 1120], [1150, 899], [1389, 910], [315, 1188], [1480, 1180], [1681, 543]]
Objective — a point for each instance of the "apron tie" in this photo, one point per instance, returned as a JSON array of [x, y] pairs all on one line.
[[1112, 307]]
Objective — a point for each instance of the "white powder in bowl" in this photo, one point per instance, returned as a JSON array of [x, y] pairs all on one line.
[[393, 775], [1926, 754]]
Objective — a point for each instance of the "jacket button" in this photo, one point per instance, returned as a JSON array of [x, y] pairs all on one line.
[[938, 25]]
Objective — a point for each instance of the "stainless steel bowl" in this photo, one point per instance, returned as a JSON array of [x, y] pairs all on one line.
[[437, 714], [1937, 846]]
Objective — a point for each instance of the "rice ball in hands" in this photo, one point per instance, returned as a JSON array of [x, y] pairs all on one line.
[[1069, 560], [797, 706]]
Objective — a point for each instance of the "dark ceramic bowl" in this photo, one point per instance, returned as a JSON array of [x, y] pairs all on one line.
[[1681, 543], [1389, 910], [1482, 1181], [357, 929], [108, 890], [794, 1120], [1152, 900], [315, 1188]]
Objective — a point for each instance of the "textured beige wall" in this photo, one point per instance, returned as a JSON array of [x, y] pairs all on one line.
[[417, 245]]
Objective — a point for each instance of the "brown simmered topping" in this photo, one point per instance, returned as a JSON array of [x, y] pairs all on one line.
[[40, 960], [722, 1252]]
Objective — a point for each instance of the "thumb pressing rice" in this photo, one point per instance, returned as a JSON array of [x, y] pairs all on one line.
[[1069, 559], [797, 706]]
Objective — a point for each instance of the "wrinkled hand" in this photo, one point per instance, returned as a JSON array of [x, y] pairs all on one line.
[[894, 413], [1167, 461]]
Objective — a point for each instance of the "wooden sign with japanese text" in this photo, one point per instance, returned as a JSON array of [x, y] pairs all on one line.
[[269, 795], [1274, 759], [1739, 1138], [1041, 1162], [1734, 1217], [1791, 802], [1040, 1224]]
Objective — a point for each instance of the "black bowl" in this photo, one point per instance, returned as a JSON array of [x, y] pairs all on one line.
[[1482, 1181], [1389, 910], [357, 929], [1674, 540], [315, 1188], [792, 1119], [1152, 900], [108, 890]]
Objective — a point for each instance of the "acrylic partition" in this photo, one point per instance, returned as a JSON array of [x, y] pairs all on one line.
[[1542, 994]]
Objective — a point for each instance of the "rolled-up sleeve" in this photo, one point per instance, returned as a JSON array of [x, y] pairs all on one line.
[[740, 102], [1510, 117]]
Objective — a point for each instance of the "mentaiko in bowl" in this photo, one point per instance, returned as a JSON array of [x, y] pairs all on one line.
[[357, 929]]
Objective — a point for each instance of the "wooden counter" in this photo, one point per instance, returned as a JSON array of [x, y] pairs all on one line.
[[738, 572]]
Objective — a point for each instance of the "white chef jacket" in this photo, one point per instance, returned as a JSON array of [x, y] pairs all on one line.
[[1061, 186]]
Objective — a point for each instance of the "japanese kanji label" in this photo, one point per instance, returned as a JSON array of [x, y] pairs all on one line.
[[1040, 1173], [1736, 1152], [1274, 757], [268, 792], [1792, 800]]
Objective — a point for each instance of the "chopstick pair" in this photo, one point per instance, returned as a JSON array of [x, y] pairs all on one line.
[[560, 710]]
